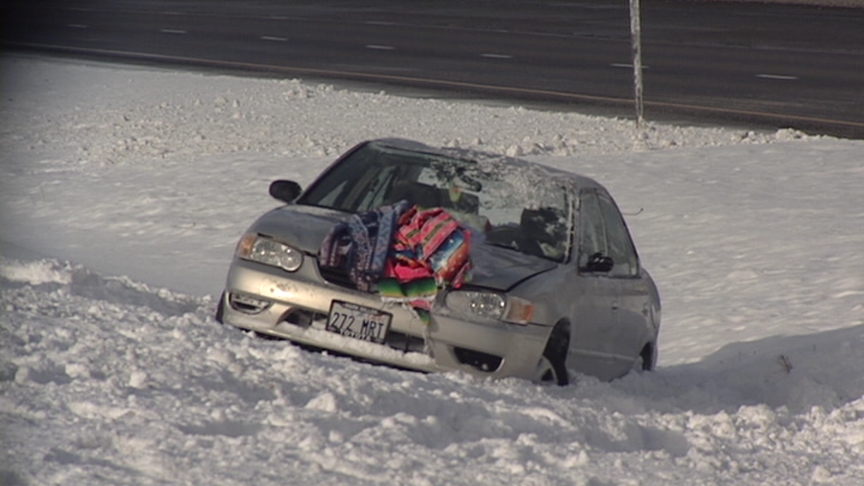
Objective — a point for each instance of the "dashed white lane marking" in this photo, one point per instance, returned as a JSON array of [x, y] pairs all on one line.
[[78, 26], [378, 22], [497, 56], [274, 39], [380, 48], [777, 76], [173, 31], [625, 65]]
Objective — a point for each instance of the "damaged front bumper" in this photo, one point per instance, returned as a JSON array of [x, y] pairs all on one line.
[[296, 307]]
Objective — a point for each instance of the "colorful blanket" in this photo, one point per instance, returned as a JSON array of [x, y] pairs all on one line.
[[429, 244], [361, 244], [406, 254]]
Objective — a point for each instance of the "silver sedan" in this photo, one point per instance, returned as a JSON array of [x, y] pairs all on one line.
[[550, 284]]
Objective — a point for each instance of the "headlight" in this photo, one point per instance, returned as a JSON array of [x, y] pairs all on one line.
[[490, 305], [269, 252]]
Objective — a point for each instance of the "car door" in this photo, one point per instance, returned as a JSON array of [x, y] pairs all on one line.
[[592, 314], [630, 307]]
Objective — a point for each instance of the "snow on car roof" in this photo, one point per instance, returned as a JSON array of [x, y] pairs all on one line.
[[575, 181]]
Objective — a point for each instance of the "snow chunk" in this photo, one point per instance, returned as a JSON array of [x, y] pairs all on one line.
[[35, 272], [325, 402]]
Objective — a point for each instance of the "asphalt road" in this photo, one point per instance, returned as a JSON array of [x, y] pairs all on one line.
[[772, 65]]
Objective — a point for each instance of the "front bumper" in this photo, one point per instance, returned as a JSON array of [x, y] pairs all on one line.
[[295, 306]]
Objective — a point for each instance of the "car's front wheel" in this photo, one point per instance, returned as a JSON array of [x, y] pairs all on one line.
[[220, 310], [547, 372], [552, 367]]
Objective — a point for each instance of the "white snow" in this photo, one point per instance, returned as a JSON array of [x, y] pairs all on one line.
[[124, 189]]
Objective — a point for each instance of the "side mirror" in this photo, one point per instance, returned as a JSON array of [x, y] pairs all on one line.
[[599, 263], [286, 191]]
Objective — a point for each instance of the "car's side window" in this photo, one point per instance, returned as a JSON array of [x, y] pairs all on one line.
[[621, 247], [592, 234]]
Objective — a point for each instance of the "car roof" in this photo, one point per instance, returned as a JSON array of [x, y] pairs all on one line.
[[575, 181]]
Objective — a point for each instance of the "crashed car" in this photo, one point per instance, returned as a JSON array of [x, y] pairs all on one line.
[[547, 283]]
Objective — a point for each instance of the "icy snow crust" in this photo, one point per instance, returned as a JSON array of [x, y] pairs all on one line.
[[123, 191]]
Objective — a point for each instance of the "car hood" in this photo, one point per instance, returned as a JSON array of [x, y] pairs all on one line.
[[501, 269], [305, 227]]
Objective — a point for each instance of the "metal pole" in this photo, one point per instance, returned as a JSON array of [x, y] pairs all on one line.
[[636, 36]]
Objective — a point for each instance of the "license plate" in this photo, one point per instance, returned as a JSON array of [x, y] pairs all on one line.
[[358, 322]]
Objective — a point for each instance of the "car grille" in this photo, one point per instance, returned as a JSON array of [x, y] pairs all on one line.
[[337, 276], [302, 317], [405, 342]]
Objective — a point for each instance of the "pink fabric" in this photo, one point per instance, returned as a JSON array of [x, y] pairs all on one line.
[[405, 271], [419, 236]]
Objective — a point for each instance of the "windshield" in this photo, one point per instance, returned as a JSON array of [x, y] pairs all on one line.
[[508, 205]]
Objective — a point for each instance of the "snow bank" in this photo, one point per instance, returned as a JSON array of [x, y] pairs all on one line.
[[105, 381], [137, 115]]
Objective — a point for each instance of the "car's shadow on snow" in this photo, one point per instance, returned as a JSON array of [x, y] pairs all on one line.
[[823, 370]]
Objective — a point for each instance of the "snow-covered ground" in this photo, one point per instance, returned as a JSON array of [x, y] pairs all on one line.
[[124, 189]]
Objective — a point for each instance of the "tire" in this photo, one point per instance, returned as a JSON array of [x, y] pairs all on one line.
[[649, 357], [646, 361], [220, 310], [552, 367], [638, 366]]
